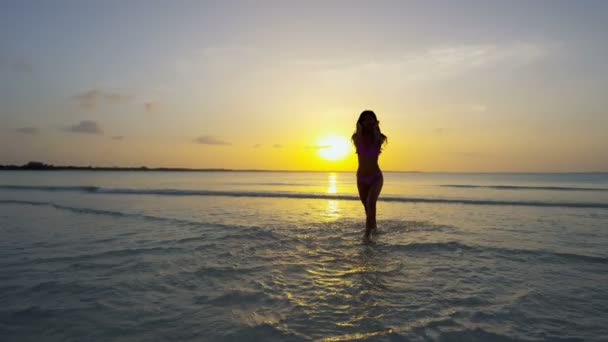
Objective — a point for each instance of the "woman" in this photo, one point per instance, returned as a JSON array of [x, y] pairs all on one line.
[[368, 141]]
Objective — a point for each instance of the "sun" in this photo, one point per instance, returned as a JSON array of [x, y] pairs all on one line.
[[333, 147]]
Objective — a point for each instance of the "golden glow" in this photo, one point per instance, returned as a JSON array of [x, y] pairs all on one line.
[[358, 336], [333, 147], [331, 187], [332, 205], [331, 212]]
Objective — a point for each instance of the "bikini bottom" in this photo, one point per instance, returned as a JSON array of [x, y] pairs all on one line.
[[369, 180]]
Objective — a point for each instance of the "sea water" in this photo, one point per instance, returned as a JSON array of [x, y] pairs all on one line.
[[191, 256]]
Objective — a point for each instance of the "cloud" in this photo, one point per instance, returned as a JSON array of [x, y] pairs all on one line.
[[439, 130], [317, 147], [257, 145], [28, 130], [277, 146], [478, 108], [434, 63], [150, 106], [22, 65], [461, 58], [320, 147], [16, 64], [210, 140], [118, 137], [319, 64], [92, 98], [86, 126]]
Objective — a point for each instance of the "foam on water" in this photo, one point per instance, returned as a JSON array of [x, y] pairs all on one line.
[[302, 195]]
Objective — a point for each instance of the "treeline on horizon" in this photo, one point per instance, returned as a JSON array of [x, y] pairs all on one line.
[[34, 165]]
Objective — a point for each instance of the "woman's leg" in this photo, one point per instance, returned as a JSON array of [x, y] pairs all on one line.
[[363, 194], [372, 198]]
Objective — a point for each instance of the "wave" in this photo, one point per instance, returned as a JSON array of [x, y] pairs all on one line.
[[270, 184], [296, 195], [91, 211], [50, 188], [81, 259], [518, 187], [519, 253], [80, 210]]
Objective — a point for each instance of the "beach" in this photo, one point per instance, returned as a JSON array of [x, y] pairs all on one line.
[[276, 256]]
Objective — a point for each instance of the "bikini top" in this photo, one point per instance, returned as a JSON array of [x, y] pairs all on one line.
[[368, 150]]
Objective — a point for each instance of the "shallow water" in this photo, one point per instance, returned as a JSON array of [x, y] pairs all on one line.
[[278, 256]]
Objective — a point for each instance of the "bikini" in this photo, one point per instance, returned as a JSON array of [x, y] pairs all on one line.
[[369, 180], [370, 151]]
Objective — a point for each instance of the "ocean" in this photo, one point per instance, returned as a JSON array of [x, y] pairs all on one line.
[[278, 256]]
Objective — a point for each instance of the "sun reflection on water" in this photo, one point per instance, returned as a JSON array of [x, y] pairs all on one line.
[[347, 280], [331, 211], [332, 186]]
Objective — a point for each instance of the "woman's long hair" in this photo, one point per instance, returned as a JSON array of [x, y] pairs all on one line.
[[365, 136]]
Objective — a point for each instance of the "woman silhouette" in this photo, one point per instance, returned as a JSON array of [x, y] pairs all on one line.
[[368, 141]]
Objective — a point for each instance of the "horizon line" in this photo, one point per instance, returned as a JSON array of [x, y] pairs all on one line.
[[39, 166]]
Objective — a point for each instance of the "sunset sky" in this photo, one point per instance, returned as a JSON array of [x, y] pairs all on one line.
[[457, 85]]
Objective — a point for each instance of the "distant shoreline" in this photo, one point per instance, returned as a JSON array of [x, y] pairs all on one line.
[[37, 166], [135, 169], [45, 167]]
